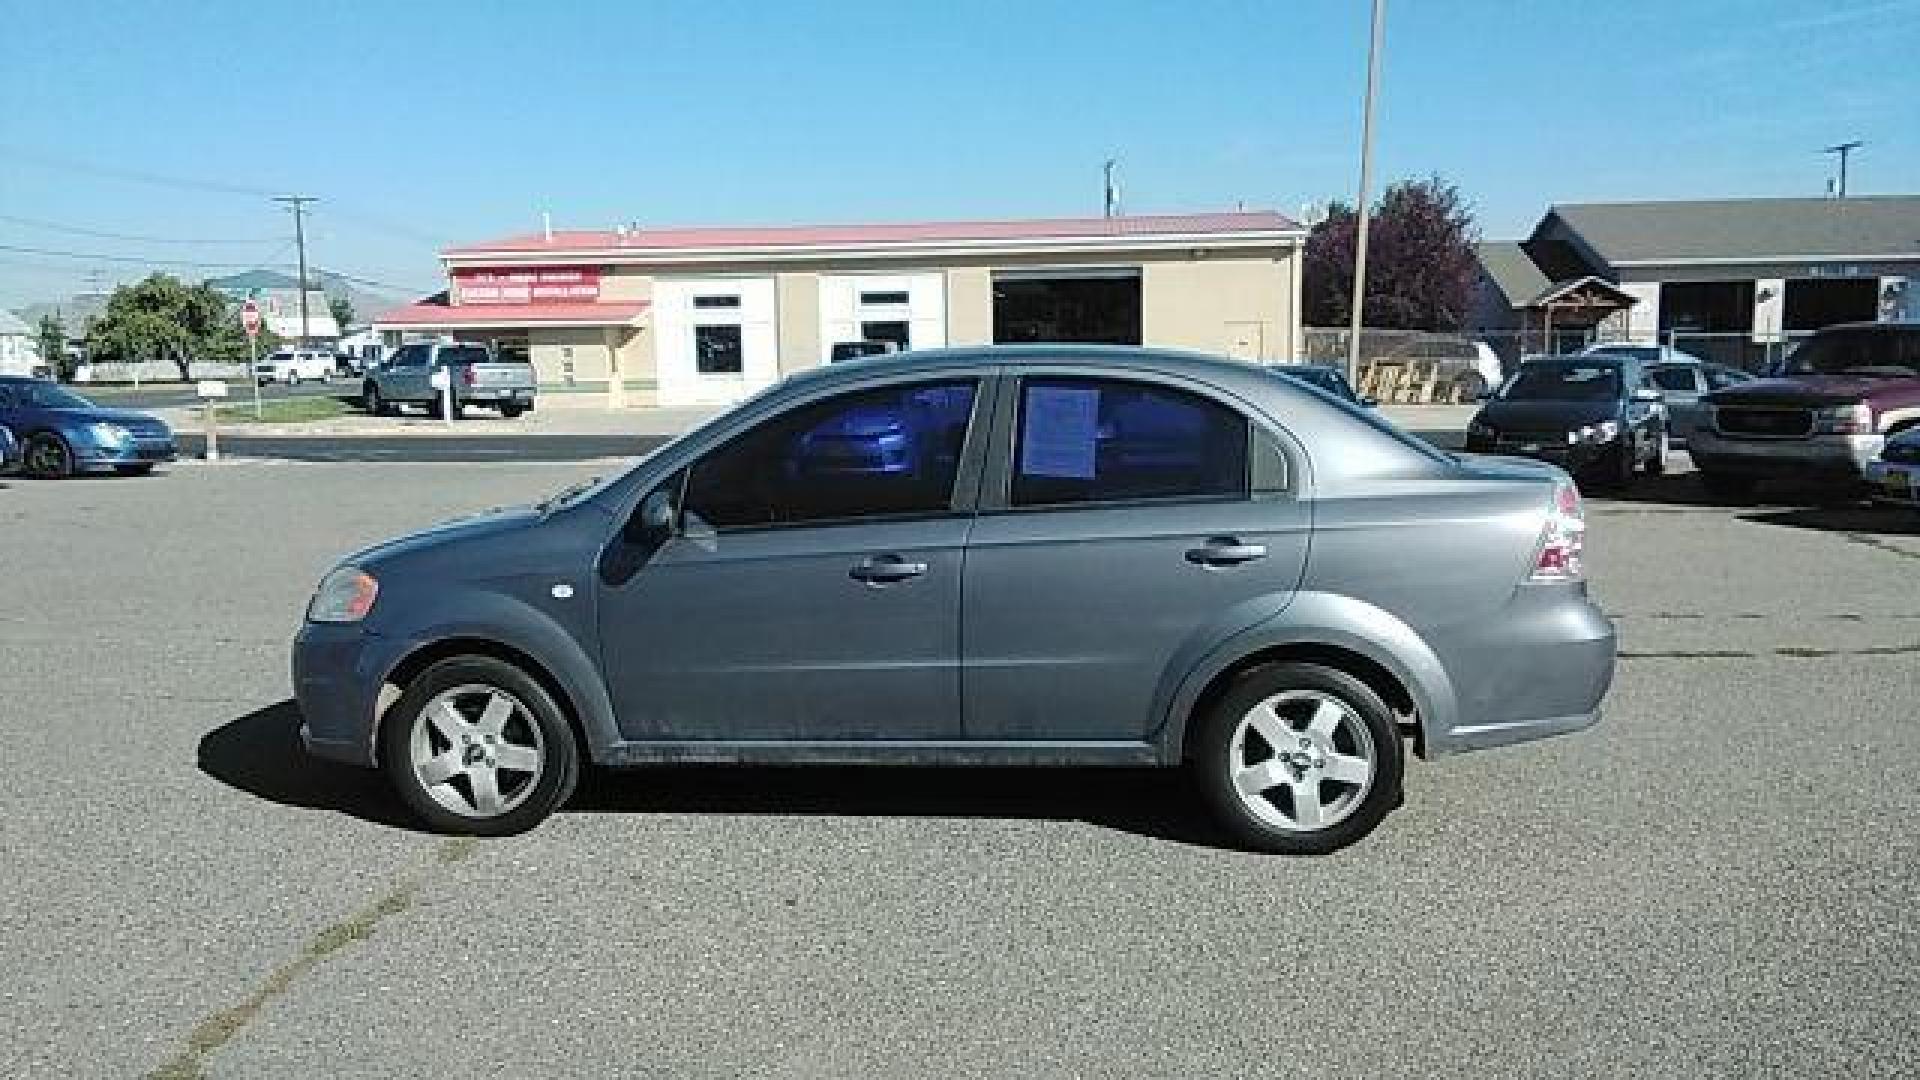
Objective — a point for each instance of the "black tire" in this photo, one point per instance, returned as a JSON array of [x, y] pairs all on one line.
[[1212, 758], [372, 402], [47, 457], [1663, 445], [560, 756], [511, 410], [144, 468], [1728, 488]]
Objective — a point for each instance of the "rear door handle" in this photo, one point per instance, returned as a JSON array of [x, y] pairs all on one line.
[[1225, 551], [884, 569]]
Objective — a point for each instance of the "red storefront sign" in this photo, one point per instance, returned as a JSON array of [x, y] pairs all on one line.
[[545, 285]]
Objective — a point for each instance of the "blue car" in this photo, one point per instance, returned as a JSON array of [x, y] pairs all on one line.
[[61, 433], [9, 451]]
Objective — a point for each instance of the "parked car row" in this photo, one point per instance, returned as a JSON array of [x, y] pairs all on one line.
[[1844, 407]]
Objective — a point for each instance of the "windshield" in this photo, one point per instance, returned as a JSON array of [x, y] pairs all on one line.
[[1888, 351], [43, 395], [1563, 382], [464, 354]]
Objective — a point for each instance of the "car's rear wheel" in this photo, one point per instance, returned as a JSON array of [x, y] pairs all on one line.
[[1299, 759], [511, 410], [476, 746], [47, 457]]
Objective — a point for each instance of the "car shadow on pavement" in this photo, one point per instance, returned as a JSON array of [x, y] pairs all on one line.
[[1864, 519], [260, 753]]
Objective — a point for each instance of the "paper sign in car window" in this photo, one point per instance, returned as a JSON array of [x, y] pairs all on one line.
[[1062, 435]]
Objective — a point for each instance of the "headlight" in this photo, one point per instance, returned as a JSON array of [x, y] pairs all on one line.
[[1604, 431], [1844, 419], [108, 434], [345, 596]]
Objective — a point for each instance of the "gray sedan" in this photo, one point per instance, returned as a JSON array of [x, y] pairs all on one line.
[[1032, 555]]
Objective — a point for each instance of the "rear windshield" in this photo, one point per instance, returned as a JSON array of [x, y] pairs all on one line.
[[1868, 350], [1563, 382], [464, 354]]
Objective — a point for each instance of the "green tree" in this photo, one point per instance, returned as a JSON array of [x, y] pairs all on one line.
[[51, 335], [163, 318], [1420, 260], [342, 307]]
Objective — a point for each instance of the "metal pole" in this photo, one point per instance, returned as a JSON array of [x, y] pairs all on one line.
[[1360, 202], [253, 376], [299, 204]]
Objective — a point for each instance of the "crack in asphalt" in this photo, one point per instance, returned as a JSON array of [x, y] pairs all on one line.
[[1796, 652], [217, 1029]]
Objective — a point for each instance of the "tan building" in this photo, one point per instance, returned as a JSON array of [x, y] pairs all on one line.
[[692, 317]]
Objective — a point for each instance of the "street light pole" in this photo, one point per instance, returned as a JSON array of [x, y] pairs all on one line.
[[1360, 202], [299, 205]]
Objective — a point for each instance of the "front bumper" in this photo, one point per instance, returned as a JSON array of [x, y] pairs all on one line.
[[134, 452], [1540, 669], [1575, 457], [338, 672], [1894, 483], [1816, 457]]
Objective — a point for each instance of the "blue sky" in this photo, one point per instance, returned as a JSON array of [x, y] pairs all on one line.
[[422, 123]]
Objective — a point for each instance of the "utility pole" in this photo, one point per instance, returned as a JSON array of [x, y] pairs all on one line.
[[299, 205], [1843, 149], [1360, 207], [1111, 202]]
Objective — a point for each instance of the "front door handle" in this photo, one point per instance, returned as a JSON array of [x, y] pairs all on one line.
[[1225, 551], [885, 569]]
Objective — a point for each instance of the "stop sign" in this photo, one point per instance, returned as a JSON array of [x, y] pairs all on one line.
[[250, 318]]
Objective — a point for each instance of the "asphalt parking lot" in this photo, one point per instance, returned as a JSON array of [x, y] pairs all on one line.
[[1718, 880]]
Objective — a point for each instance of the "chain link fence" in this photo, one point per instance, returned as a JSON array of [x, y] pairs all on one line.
[[1405, 367]]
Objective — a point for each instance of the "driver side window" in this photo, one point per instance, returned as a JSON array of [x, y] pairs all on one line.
[[888, 452]]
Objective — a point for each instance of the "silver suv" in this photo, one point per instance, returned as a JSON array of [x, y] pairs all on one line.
[[1034, 555]]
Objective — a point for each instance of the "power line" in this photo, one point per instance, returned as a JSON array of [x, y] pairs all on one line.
[[136, 260], [57, 161], [269, 263], [103, 234]]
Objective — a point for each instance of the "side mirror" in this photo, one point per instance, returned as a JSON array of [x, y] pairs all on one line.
[[655, 520]]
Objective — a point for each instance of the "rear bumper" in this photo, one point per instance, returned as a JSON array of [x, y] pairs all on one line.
[[1539, 669], [494, 395], [1816, 457]]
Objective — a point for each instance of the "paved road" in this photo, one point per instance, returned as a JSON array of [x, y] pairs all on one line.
[[177, 395], [1719, 880], [423, 448]]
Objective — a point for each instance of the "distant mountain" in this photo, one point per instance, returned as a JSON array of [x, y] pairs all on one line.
[[76, 311]]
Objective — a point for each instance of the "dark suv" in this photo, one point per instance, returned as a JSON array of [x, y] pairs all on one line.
[[1823, 417], [1599, 416]]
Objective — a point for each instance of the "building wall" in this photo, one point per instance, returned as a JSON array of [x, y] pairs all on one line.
[[798, 302], [969, 305], [1238, 307], [552, 348]]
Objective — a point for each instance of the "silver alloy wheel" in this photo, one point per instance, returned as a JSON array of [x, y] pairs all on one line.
[[1301, 761], [477, 750]]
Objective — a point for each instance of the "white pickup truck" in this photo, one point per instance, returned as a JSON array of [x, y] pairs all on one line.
[[406, 378]]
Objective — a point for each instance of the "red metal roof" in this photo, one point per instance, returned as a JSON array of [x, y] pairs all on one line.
[[435, 311], [882, 235]]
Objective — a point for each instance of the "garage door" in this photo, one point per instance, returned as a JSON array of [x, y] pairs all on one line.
[[909, 310], [715, 339], [1093, 304]]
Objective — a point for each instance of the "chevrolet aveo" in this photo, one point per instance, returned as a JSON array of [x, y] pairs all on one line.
[[1048, 556]]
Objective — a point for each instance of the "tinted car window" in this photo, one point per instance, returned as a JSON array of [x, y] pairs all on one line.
[[888, 452], [1563, 382], [464, 354], [1680, 380], [1101, 440]]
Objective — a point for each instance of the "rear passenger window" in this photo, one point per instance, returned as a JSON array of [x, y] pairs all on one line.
[[1106, 440]]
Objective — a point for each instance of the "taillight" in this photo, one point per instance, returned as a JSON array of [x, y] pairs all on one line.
[[466, 376], [1563, 538]]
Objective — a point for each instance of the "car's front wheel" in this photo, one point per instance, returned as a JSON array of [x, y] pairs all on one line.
[[48, 457], [476, 746], [1299, 759]]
